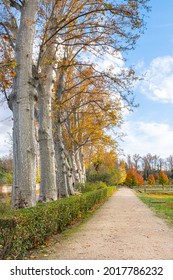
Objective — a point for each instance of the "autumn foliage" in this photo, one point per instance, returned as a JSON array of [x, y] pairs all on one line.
[[104, 166], [151, 179], [133, 178], [163, 178]]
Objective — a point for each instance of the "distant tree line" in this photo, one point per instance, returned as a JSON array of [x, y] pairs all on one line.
[[152, 168]]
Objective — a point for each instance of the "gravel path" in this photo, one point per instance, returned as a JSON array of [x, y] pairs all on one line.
[[123, 228]]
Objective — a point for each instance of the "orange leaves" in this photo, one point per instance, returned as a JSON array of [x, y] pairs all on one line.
[[7, 65], [6, 38], [7, 74], [151, 179], [140, 180], [133, 178], [13, 74], [163, 178]]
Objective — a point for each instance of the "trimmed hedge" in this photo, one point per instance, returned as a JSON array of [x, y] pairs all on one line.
[[28, 228]]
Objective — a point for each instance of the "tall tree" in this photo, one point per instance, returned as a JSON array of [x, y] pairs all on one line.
[[136, 159], [92, 28], [88, 111], [21, 100]]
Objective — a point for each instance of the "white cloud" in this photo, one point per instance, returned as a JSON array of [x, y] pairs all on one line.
[[140, 65], [143, 138], [104, 61], [158, 83]]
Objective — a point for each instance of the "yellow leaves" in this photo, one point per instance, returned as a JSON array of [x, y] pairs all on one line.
[[108, 6], [132, 4], [6, 84], [12, 64], [2, 77]]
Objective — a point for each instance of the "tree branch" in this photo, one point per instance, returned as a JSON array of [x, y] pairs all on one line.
[[16, 5], [6, 94], [8, 34], [75, 18]]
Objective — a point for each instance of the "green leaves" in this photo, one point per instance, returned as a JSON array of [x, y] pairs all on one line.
[[30, 227]]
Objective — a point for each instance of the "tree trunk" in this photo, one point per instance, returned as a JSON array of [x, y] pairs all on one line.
[[61, 170], [74, 168], [48, 191], [83, 171], [70, 180], [79, 166], [21, 102], [64, 179]]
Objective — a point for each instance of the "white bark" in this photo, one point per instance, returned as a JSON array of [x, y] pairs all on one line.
[[48, 191], [74, 168], [61, 170], [64, 180], [79, 165], [83, 170], [22, 104], [70, 180]]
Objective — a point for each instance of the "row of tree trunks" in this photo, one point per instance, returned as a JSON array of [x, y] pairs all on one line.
[[76, 28], [56, 171]]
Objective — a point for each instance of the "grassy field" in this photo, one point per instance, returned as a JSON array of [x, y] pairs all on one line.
[[161, 201]]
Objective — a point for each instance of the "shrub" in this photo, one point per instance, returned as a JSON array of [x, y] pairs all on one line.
[[6, 178], [27, 228], [109, 178], [5, 205], [90, 186]]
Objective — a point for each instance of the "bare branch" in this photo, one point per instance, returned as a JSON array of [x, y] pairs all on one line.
[[5, 93], [16, 5], [74, 19]]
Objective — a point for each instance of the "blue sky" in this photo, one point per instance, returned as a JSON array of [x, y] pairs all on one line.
[[149, 128]]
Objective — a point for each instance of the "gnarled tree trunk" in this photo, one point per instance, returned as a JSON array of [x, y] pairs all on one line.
[[21, 101]]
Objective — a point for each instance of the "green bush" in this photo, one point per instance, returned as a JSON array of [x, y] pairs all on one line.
[[90, 186], [27, 228], [6, 178], [5, 205], [109, 178]]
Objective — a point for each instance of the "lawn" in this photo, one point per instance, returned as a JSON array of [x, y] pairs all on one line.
[[161, 202]]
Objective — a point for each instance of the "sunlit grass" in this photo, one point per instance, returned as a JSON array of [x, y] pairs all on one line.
[[161, 203]]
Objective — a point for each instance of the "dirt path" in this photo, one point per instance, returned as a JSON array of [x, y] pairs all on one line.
[[123, 228]]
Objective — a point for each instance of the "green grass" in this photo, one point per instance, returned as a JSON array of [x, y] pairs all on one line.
[[5, 205], [161, 203]]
